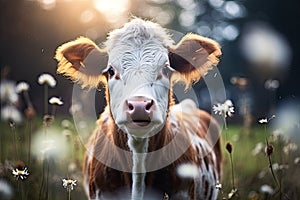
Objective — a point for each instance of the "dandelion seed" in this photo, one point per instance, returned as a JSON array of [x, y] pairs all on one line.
[[69, 184], [56, 101], [21, 87], [20, 173], [226, 109], [47, 79], [11, 114], [266, 189]]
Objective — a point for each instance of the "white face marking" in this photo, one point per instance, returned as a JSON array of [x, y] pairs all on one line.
[[138, 73]]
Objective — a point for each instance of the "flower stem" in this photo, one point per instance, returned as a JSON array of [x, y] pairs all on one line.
[[271, 167], [27, 99], [232, 171], [69, 195], [53, 110], [45, 99], [29, 125], [13, 133], [225, 125]]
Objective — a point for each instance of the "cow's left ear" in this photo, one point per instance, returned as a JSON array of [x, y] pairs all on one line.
[[193, 57]]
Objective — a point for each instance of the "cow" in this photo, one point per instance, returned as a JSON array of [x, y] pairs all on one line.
[[142, 118]]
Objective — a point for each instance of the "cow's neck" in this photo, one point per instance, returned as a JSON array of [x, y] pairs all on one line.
[[139, 148]]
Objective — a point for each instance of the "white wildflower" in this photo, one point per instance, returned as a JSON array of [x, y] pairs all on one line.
[[225, 109], [49, 147], [263, 121], [8, 92], [20, 173], [267, 189], [75, 107], [11, 114], [271, 84], [297, 160], [47, 79], [289, 148], [258, 149], [218, 186], [22, 86], [56, 101], [66, 124], [69, 184], [188, 170], [6, 190]]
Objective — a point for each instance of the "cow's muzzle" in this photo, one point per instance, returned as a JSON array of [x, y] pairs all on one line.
[[139, 110]]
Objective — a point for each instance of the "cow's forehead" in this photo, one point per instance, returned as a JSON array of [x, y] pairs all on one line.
[[127, 56]]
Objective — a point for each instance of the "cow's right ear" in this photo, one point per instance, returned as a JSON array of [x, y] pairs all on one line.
[[82, 61]]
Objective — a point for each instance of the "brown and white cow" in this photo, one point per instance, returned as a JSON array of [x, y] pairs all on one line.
[[141, 118]]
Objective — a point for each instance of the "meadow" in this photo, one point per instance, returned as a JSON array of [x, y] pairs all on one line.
[[41, 155]]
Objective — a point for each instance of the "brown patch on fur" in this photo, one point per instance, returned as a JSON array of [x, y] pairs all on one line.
[[70, 57], [193, 57], [164, 180]]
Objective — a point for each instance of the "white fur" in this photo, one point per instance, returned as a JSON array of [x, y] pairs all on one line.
[[139, 147], [138, 52]]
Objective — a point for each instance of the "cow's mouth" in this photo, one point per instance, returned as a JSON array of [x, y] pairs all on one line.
[[141, 122]]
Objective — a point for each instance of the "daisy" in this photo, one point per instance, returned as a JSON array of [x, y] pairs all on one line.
[[69, 184], [55, 101], [20, 173], [226, 109], [47, 79]]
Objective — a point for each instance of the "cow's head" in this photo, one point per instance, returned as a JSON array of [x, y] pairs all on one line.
[[142, 63]]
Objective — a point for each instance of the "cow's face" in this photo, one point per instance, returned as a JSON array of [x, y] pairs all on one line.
[[141, 64], [138, 86]]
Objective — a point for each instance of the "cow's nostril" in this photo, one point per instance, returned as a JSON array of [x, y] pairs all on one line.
[[149, 104], [130, 106]]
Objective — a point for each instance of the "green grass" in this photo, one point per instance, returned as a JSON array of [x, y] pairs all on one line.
[[251, 172]]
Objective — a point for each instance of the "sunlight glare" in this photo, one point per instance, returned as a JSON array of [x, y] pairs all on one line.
[[112, 9]]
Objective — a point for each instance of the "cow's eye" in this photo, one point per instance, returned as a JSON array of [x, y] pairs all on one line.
[[166, 71], [111, 71]]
